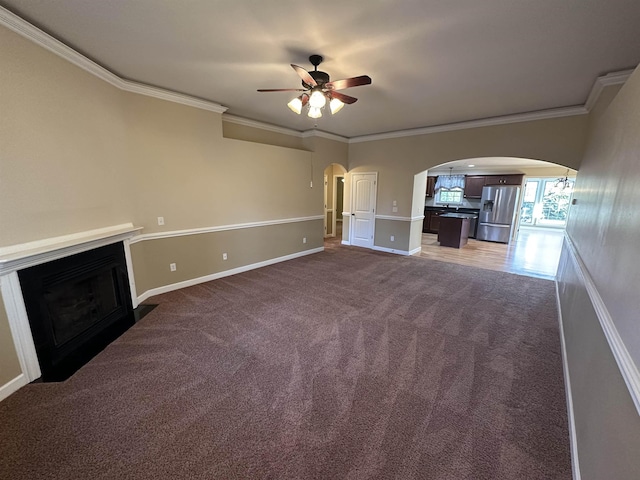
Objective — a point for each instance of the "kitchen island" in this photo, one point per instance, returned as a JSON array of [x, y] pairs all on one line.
[[454, 229]]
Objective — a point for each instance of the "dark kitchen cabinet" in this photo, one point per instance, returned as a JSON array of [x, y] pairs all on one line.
[[514, 179], [473, 186], [434, 222], [473, 183], [425, 222], [431, 222], [431, 186]]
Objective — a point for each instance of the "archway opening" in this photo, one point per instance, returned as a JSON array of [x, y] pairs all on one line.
[[334, 176]]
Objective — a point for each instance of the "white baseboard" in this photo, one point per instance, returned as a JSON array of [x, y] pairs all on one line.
[[396, 251], [225, 273], [12, 386], [345, 242], [573, 439]]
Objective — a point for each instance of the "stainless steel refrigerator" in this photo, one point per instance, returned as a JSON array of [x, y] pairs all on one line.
[[497, 213]]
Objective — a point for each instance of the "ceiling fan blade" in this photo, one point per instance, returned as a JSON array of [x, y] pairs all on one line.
[[304, 75], [349, 82], [344, 98], [281, 90], [305, 99]]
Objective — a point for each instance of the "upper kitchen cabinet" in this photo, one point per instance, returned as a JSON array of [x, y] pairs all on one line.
[[473, 186], [514, 179], [431, 186], [473, 183]]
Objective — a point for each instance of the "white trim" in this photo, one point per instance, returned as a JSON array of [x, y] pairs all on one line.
[[327, 135], [247, 122], [22, 27], [261, 125], [573, 436], [396, 251], [19, 326], [132, 280], [625, 362], [220, 228], [485, 122], [12, 386], [345, 242], [25, 29], [226, 273], [17, 257], [403, 219], [614, 78]]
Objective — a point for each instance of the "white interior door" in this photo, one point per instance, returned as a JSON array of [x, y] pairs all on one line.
[[363, 204]]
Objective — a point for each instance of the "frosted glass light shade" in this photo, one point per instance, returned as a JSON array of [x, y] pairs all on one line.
[[335, 105], [314, 112], [317, 99], [295, 105]]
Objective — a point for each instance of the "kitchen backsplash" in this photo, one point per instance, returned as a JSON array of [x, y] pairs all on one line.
[[473, 203]]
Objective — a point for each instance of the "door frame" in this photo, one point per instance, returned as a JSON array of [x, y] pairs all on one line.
[[325, 186], [335, 202], [352, 207]]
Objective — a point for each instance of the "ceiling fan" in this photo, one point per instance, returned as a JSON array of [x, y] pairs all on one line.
[[318, 89]]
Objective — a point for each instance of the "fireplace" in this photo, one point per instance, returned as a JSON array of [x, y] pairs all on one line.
[[76, 305]]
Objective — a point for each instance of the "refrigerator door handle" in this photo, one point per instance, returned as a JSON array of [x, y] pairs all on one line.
[[500, 225]]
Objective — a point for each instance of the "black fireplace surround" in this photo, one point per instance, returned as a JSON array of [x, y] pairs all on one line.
[[76, 306]]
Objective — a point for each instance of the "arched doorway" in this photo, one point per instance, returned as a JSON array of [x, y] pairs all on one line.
[[539, 213]]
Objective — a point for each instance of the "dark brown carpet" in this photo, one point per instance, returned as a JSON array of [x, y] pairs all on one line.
[[345, 364]]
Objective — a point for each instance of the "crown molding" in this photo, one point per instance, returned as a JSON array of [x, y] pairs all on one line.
[[485, 122], [321, 134], [613, 78], [261, 125], [283, 130], [25, 29], [30, 32]]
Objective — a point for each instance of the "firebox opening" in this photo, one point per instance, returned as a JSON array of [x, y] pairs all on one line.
[[76, 306]]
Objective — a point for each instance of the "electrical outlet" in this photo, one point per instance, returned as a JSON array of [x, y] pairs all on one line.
[[394, 209], [304, 239], [393, 238], [172, 267], [395, 203], [224, 256], [160, 220]]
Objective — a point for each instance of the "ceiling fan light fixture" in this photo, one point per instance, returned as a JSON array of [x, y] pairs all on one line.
[[295, 105], [317, 99], [314, 112], [335, 105]]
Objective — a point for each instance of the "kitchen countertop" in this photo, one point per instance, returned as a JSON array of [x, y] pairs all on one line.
[[452, 209], [459, 215]]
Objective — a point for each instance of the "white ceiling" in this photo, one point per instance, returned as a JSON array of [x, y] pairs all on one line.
[[502, 164], [432, 62]]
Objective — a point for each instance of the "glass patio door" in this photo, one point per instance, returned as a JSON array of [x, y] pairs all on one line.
[[546, 202]]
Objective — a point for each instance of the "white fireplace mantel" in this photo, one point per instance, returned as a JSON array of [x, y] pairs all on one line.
[[18, 257]]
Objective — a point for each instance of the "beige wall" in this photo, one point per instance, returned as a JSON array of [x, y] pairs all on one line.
[[78, 154], [397, 160], [9, 364], [605, 221], [603, 226], [559, 140], [200, 255], [63, 161], [260, 135]]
